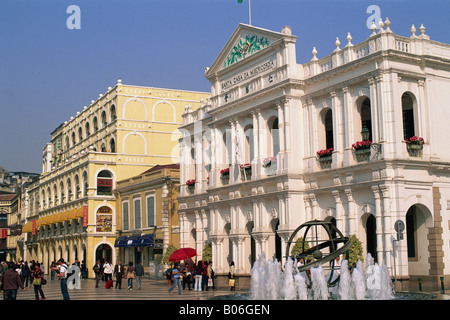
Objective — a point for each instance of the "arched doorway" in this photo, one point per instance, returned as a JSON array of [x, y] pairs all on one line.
[[371, 236], [103, 253], [252, 255], [277, 253], [417, 219]]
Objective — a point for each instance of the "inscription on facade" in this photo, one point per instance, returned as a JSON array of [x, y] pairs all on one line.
[[271, 64]]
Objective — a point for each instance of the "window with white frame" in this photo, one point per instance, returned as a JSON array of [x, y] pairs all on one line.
[[137, 214], [151, 211], [125, 216]]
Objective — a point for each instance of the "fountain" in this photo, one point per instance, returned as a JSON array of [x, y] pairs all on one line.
[[269, 282], [316, 272]]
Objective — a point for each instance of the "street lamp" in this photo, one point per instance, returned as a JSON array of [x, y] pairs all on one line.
[[365, 133]]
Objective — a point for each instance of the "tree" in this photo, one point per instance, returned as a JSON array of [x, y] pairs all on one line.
[[170, 249], [355, 252], [207, 252], [299, 247]]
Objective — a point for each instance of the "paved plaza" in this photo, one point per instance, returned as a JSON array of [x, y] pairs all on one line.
[[150, 290]]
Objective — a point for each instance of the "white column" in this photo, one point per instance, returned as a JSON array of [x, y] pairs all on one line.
[[387, 225], [379, 222], [281, 134], [255, 161], [351, 212]]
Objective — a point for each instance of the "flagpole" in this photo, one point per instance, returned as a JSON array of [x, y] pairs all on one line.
[[249, 13]]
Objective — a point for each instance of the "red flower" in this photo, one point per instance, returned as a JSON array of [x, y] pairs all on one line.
[[325, 152], [225, 171], [190, 182], [415, 140], [362, 144]]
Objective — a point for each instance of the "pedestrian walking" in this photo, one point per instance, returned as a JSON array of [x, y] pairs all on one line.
[[53, 268], [98, 271], [11, 282], [176, 278], [25, 274], [198, 276], [139, 274], [119, 272], [37, 282], [108, 270], [84, 270], [62, 275], [211, 282], [231, 280], [187, 277], [130, 275]]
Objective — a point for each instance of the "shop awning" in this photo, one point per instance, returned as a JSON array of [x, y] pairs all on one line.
[[134, 241], [121, 242], [148, 240], [27, 227]]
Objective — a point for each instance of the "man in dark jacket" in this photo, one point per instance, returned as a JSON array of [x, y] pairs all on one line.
[[11, 282], [119, 272], [98, 272]]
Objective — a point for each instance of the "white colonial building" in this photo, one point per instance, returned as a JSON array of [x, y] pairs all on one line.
[[253, 150]]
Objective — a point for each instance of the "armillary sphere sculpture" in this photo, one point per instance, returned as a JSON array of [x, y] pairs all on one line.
[[320, 243]]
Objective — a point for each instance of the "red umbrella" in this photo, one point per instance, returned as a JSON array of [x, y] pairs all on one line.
[[182, 254]]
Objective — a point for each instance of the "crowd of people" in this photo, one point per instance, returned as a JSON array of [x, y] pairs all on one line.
[[15, 275], [198, 276], [106, 272]]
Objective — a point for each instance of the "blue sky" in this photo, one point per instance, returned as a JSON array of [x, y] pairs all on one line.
[[49, 72]]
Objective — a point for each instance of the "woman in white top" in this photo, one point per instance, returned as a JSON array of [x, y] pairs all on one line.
[[108, 270]]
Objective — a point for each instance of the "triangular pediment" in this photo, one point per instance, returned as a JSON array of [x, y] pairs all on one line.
[[245, 41]]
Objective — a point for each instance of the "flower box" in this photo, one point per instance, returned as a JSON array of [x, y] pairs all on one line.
[[225, 176], [325, 153], [414, 146], [362, 145], [190, 182], [246, 170], [267, 162]]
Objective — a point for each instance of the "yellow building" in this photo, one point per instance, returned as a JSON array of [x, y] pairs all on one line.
[[147, 216], [127, 130], [9, 227]]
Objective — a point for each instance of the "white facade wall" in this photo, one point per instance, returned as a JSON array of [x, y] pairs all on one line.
[[258, 213]]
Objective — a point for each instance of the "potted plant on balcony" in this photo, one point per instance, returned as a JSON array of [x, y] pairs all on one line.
[[190, 185], [270, 165], [225, 175], [246, 170], [362, 147], [415, 143], [324, 155], [414, 146]]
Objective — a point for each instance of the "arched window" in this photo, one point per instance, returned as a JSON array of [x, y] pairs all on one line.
[[328, 122], [104, 183], [61, 193], [112, 113], [409, 129], [69, 189], [103, 119], [112, 146], [77, 187], [85, 184], [104, 219], [103, 147], [80, 134], [73, 139], [275, 136], [366, 119], [95, 124], [249, 145], [87, 128], [226, 137]]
